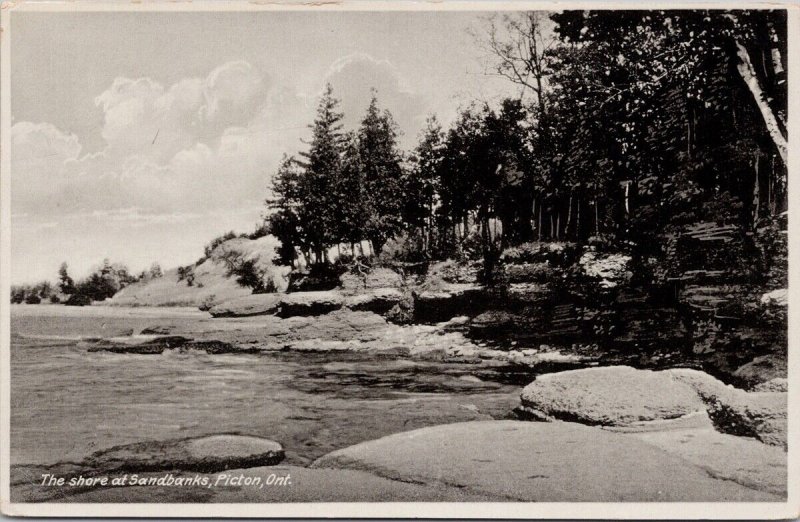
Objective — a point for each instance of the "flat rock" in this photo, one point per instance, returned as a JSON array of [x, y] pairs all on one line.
[[310, 303], [203, 454], [255, 304], [378, 300], [540, 462], [614, 395], [738, 459]]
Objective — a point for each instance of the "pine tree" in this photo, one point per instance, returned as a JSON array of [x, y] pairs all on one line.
[[382, 175], [321, 166]]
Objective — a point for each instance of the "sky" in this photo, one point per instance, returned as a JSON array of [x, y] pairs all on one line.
[[139, 137]]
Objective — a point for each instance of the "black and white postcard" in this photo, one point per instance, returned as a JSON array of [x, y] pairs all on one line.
[[398, 259]]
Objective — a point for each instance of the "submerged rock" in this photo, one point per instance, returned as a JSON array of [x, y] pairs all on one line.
[[203, 454], [140, 345]]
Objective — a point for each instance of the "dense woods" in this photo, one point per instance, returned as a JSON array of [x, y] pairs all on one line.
[[629, 127]]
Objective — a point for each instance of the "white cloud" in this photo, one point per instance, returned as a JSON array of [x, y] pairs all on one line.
[[192, 146], [354, 76]]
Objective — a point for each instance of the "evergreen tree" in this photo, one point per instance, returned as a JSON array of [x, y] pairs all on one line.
[[65, 282], [380, 162], [321, 167]]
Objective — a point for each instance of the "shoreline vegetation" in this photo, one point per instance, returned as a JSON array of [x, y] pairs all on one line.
[[614, 241]]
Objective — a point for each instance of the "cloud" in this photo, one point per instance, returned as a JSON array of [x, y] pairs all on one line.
[[197, 145], [354, 76]]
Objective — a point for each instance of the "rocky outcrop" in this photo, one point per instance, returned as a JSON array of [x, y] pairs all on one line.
[[544, 462], [441, 304], [255, 304], [309, 303], [378, 300], [494, 322], [374, 278]]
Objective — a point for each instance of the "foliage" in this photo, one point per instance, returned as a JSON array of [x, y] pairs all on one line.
[[210, 247]]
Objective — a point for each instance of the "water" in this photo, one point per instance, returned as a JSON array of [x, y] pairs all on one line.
[[67, 402]]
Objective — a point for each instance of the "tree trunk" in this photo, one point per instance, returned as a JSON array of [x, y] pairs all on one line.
[[596, 218], [756, 191], [558, 226], [748, 74], [569, 216], [540, 222]]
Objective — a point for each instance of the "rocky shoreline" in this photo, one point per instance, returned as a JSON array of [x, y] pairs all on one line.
[[675, 441], [621, 398]]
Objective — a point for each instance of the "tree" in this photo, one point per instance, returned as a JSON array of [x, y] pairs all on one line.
[[382, 175], [155, 271], [65, 284], [321, 166], [421, 186]]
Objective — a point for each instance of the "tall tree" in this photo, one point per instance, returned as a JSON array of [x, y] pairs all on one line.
[[322, 165], [381, 163]]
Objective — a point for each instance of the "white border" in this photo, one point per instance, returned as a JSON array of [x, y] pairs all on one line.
[[511, 510]]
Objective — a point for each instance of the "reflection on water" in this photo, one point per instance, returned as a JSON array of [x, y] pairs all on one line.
[[67, 402]]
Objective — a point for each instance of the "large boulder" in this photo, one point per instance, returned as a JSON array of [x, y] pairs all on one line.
[[761, 415], [624, 396], [310, 303], [255, 304], [609, 396], [540, 462]]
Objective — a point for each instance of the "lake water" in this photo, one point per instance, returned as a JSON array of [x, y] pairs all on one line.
[[67, 402]]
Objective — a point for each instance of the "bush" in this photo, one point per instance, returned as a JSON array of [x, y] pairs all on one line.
[[209, 248], [207, 303], [79, 300], [32, 299]]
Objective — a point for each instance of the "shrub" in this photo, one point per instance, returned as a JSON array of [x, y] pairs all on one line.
[[207, 303], [210, 247], [32, 298], [78, 299]]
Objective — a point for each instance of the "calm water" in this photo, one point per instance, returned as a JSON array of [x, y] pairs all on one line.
[[67, 402]]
